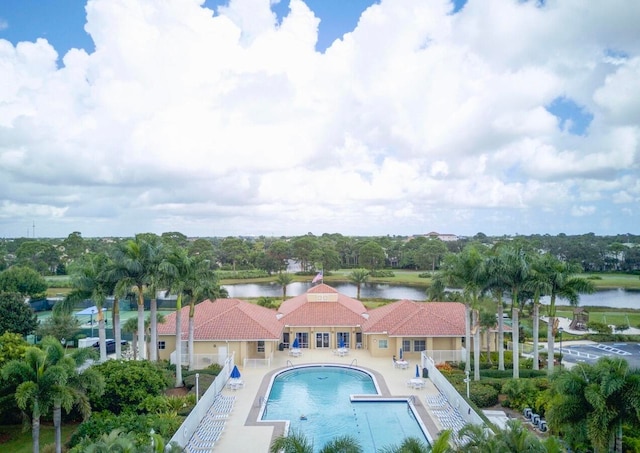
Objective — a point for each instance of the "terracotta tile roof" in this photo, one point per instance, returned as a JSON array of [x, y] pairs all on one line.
[[226, 319], [322, 305], [409, 318]]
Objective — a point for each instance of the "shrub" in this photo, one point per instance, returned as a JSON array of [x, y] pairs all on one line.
[[140, 425], [599, 327], [128, 383], [480, 394], [521, 393], [382, 273]]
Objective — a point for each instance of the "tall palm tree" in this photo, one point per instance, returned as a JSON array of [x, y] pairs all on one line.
[[539, 285], [497, 286], [358, 277], [192, 279], [467, 270], [91, 281], [283, 279], [136, 265], [562, 283], [516, 271]]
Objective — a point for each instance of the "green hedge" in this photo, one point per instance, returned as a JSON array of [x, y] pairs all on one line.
[[482, 395]]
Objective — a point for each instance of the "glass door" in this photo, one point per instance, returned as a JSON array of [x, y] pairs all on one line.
[[322, 339]]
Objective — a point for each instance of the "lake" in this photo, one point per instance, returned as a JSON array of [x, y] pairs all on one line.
[[616, 298]]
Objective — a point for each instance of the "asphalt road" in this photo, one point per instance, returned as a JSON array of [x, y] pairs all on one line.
[[591, 353]]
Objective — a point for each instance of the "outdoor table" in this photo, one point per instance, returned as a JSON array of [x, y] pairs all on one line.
[[343, 351], [416, 383], [402, 364], [295, 352]]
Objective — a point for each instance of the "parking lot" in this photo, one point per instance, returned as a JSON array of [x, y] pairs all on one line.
[[590, 353]]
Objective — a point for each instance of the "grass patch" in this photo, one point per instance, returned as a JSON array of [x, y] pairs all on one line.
[[13, 439], [607, 316], [613, 281]]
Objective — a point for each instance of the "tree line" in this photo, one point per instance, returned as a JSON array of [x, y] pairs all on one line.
[[620, 253]]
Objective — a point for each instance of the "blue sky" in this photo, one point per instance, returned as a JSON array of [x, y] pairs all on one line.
[[501, 116]]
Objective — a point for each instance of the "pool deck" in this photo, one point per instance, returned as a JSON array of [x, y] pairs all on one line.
[[243, 433]]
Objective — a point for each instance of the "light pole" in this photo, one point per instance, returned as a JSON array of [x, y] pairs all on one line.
[[197, 387], [560, 330], [467, 381]]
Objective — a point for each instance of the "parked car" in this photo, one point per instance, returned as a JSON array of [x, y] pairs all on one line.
[[111, 345]]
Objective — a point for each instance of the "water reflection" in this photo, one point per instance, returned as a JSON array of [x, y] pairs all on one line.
[[608, 298]]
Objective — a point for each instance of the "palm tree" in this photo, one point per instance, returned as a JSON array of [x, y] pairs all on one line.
[[131, 326], [192, 278], [497, 285], [539, 285], [342, 444], [561, 281], [414, 445], [79, 388], [46, 379], [358, 277], [36, 380], [91, 282], [592, 402], [468, 271], [515, 274], [136, 267], [283, 279], [296, 442]]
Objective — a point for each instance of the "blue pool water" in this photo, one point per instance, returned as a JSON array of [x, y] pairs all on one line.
[[317, 402]]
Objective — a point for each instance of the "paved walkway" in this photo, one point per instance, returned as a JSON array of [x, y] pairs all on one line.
[[243, 433]]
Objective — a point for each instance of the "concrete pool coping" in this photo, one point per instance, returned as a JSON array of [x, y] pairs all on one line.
[[243, 431]]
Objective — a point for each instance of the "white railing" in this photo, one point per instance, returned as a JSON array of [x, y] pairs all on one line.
[[200, 361], [455, 355], [190, 424], [257, 363], [444, 386]]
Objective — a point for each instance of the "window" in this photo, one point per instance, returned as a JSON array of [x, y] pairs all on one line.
[[260, 346], [342, 337], [419, 345], [162, 345], [383, 344], [406, 345]]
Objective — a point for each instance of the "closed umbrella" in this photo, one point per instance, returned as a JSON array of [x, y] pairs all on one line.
[[341, 343], [417, 371], [295, 343], [235, 373], [400, 353]]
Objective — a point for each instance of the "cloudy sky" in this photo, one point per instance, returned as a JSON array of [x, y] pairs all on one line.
[[243, 117]]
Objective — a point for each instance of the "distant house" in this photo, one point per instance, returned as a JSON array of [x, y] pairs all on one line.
[[443, 237], [321, 318]]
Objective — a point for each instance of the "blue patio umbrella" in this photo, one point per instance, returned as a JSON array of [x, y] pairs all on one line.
[[295, 343], [400, 353], [342, 343], [417, 370], [235, 373]]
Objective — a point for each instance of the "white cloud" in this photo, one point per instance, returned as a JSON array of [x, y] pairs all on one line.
[[227, 123]]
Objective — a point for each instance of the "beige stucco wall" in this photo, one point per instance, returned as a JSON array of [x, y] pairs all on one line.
[[241, 349], [332, 331]]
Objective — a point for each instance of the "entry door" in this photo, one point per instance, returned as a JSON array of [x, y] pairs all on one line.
[[222, 354], [322, 339]]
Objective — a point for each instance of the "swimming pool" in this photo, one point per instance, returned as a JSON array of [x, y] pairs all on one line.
[[319, 402]]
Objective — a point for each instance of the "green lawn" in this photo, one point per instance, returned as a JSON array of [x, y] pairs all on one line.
[[607, 316], [612, 281], [13, 439]]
